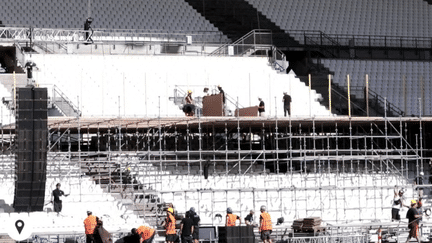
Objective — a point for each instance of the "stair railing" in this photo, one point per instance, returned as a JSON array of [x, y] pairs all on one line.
[[252, 39], [390, 107], [64, 99], [343, 98], [275, 59]]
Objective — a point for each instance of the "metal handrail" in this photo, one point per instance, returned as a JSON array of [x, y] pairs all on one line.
[[391, 107], [56, 90], [277, 55], [223, 50], [183, 94], [254, 41], [233, 101], [334, 91], [313, 42], [17, 34], [378, 98], [360, 40]]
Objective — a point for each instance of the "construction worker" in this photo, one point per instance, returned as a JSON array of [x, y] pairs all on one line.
[[134, 237], [250, 219], [90, 224], [413, 222], [146, 233], [170, 224], [196, 219], [221, 91], [231, 218], [379, 231], [265, 225], [261, 107], [287, 103], [186, 228], [398, 203], [224, 106], [56, 194], [189, 108]]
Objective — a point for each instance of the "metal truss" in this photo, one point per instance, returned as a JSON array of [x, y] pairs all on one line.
[[77, 36]]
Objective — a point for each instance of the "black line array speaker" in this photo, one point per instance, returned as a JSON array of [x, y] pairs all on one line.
[[236, 234], [31, 132]]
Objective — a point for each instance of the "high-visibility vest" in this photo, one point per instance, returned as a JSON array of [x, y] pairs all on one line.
[[90, 224], [266, 223], [231, 219], [145, 232], [171, 224]]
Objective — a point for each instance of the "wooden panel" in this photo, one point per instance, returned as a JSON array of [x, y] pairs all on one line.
[[248, 111], [212, 105]]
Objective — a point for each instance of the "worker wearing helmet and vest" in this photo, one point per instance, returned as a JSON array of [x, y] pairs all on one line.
[[231, 218], [265, 225], [90, 224], [147, 233], [189, 107], [170, 226]]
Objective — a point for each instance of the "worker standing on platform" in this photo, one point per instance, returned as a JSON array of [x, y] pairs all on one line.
[[261, 107], [56, 194], [287, 104], [146, 233], [206, 91], [196, 219], [170, 224], [265, 226], [90, 224], [231, 218], [221, 91], [397, 204], [189, 108], [223, 94], [419, 182]]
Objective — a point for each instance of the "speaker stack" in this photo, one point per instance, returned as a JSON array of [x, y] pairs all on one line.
[[236, 234], [31, 149]]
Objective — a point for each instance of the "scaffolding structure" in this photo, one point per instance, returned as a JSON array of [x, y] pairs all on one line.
[[342, 169], [245, 162]]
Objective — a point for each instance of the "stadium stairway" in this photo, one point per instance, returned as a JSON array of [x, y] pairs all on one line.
[[235, 18], [59, 103], [124, 186], [303, 65]]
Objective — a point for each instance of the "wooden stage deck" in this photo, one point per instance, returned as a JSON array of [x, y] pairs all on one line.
[[133, 123]]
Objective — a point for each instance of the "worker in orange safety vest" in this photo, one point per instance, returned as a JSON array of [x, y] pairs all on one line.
[[90, 224], [265, 226], [170, 226], [231, 218], [147, 233]]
